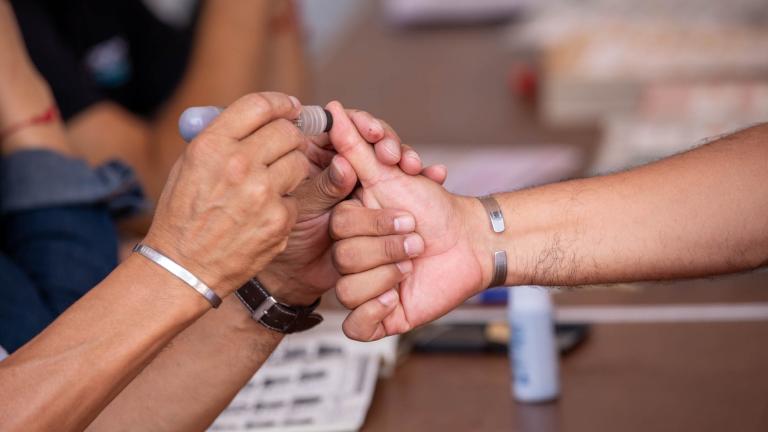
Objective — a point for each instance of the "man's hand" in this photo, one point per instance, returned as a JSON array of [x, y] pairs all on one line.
[[226, 210], [304, 271], [449, 270]]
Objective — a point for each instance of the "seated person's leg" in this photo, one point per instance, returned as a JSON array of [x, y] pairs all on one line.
[[63, 250], [55, 217], [54, 220], [23, 314]]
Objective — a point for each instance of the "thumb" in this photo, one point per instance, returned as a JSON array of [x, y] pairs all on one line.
[[320, 193]]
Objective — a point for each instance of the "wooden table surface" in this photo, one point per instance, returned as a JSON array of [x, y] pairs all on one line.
[[448, 86], [699, 376], [627, 377]]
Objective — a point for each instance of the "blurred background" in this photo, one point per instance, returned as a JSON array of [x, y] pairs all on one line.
[[508, 94], [535, 91]]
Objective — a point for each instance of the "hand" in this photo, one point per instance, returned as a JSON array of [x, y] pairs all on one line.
[[452, 267], [304, 271], [225, 211]]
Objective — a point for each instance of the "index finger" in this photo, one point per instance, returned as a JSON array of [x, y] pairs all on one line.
[[388, 146], [371, 129], [252, 111], [348, 142]]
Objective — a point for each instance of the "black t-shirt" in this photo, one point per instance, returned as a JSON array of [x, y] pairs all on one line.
[[94, 50]]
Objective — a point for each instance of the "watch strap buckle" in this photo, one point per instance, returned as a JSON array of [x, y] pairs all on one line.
[[270, 313]]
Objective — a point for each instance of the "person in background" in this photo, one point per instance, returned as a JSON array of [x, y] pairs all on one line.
[[122, 71], [700, 213], [57, 236]]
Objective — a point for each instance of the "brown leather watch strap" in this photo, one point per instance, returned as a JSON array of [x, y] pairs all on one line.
[[275, 315]]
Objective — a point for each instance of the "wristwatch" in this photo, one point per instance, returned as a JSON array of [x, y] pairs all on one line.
[[274, 315]]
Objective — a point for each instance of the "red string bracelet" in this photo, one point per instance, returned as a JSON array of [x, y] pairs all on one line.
[[287, 21], [48, 116]]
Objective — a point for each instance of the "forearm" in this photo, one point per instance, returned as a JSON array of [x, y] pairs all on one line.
[[70, 372], [227, 61], [188, 384], [286, 65], [229, 52], [700, 213], [65, 376]]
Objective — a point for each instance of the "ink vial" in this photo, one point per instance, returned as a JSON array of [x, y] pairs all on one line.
[[532, 347], [313, 120]]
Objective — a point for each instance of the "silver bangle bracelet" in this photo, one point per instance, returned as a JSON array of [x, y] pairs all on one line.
[[180, 272], [497, 225], [494, 212]]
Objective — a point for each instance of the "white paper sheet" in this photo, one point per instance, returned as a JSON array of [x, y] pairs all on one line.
[[318, 381], [483, 170]]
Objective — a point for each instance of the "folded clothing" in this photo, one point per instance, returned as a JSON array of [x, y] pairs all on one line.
[[34, 179]]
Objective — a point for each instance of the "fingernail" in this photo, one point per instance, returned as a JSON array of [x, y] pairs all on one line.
[[413, 245], [337, 176], [388, 298], [405, 224], [412, 154], [405, 267], [391, 147], [295, 101]]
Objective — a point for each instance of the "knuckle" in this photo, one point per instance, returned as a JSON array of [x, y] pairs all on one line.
[[257, 103], [237, 168], [392, 248], [323, 187], [350, 136], [344, 293], [201, 147], [257, 192], [343, 257], [277, 100], [383, 223], [339, 223], [279, 219], [400, 328]]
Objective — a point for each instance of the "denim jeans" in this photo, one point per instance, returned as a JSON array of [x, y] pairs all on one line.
[[57, 236]]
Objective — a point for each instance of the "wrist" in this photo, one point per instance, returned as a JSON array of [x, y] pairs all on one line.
[[23, 93], [235, 317], [219, 283], [164, 286], [480, 237], [285, 289]]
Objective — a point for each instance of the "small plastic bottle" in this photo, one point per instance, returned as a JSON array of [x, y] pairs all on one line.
[[532, 348]]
